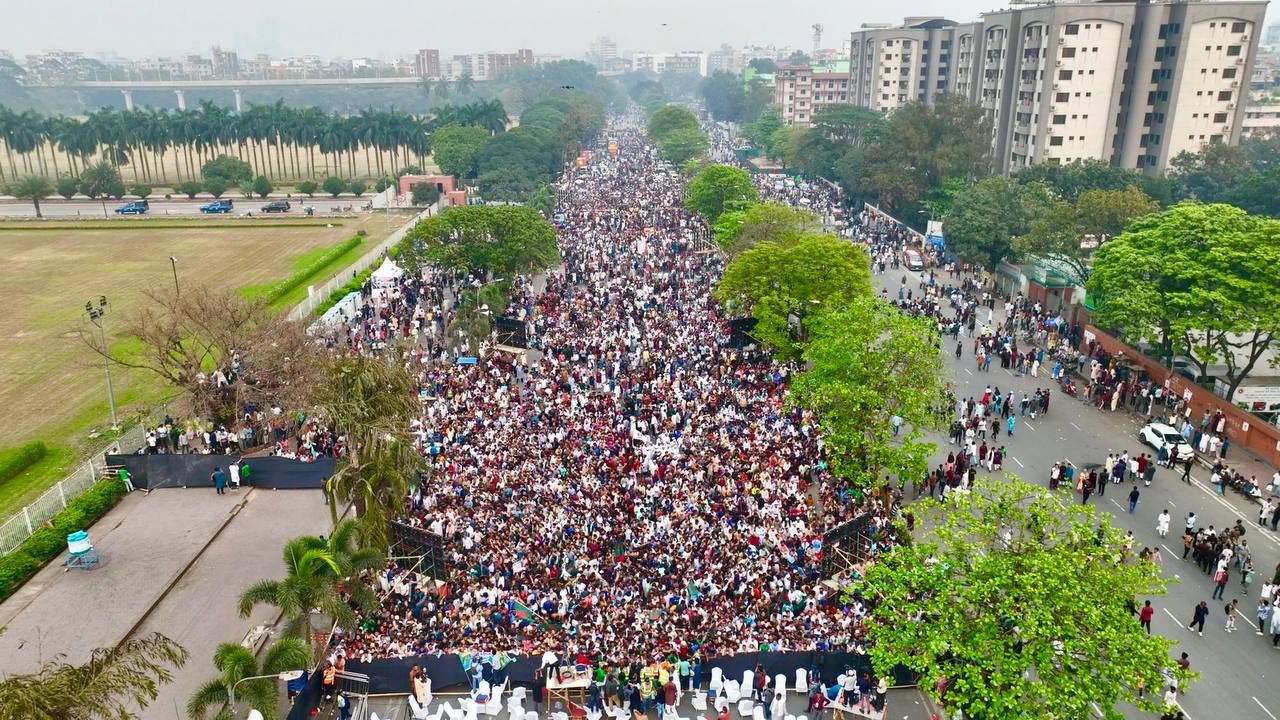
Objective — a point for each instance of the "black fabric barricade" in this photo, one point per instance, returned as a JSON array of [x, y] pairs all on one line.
[[392, 675], [274, 473], [307, 699]]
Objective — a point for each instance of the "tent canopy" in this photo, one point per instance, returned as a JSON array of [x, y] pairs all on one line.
[[388, 272]]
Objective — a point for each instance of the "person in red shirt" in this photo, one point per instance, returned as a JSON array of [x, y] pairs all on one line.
[[1145, 614]]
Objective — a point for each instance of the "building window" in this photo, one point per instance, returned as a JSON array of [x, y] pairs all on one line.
[[1064, 74], [1219, 117], [1233, 51], [1062, 97], [1072, 29], [1055, 141], [1068, 52], [1224, 95], [1228, 73], [1059, 119], [1237, 27]]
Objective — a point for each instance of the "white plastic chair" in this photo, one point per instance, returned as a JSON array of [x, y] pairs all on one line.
[[438, 713], [802, 680], [780, 683], [757, 712], [531, 715], [748, 682], [418, 711], [519, 693], [699, 700], [594, 714], [515, 708], [451, 712], [745, 706], [373, 715], [732, 691], [717, 680]]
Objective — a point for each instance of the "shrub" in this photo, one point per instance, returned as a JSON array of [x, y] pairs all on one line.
[[308, 188], [48, 543], [262, 186], [15, 461], [142, 191], [215, 187], [284, 287], [334, 185], [67, 187], [425, 194], [190, 188], [231, 170], [357, 187]]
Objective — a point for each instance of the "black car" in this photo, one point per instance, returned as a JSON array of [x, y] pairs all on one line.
[[276, 206]]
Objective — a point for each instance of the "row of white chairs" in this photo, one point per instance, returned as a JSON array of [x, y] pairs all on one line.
[[484, 700]]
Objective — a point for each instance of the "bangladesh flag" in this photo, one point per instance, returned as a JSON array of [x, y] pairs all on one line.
[[521, 612]]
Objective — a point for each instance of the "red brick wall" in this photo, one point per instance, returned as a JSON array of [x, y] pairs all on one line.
[[1260, 437]]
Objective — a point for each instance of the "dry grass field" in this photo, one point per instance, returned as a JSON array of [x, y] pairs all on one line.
[[51, 386]]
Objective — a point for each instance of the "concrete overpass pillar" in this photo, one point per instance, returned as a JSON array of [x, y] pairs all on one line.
[[238, 99], [182, 99], [128, 99]]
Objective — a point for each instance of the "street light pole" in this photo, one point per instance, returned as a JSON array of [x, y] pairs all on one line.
[[97, 315], [174, 261]]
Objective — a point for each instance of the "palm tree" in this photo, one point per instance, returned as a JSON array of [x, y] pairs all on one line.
[[320, 576], [370, 401], [34, 188], [442, 89], [465, 83], [114, 683], [491, 116], [235, 663]]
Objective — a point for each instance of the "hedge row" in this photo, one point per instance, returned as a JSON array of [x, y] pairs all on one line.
[[278, 290], [14, 462], [47, 543]]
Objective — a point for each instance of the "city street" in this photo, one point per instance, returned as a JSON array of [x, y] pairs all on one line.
[[93, 209], [1236, 669]]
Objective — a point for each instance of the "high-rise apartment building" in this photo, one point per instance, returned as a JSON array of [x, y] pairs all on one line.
[[800, 91], [1132, 83], [427, 64]]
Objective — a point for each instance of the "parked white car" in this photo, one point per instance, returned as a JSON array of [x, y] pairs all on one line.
[[1159, 435]]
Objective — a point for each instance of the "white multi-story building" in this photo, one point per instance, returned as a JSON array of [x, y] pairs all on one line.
[[689, 61], [800, 91], [1134, 83]]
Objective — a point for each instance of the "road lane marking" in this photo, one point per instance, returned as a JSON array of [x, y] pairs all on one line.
[[1018, 461], [1113, 502], [1028, 424], [1264, 708], [1166, 547], [1171, 615], [968, 371]]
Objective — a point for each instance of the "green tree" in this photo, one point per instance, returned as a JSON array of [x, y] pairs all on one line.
[[497, 240], [760, 132], [1070, 180], [989, 215], [781, 286], [190, 188], [682, 145], [231, 170], [1056, 233], [262, 186], [763, 65], [246, 189], [215, 187], [141, 191], [725, 96], [320, 574], [68, 186], [99, 179], [848, 124], [669, 119], [718, 188], [114, 684], [34, 188], [456, 149], [1211, 175], [865, 363], [1022, 606], [357, 187], [1259, 193], [740, 230], [543, 200], [1199, 279], [308, 188], [334, 185], [236, 662], [425, 194]]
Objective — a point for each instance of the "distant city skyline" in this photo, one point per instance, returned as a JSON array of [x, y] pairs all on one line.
[[148, 28]]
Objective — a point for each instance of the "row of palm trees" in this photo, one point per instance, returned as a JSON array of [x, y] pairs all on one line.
[[165, 147]]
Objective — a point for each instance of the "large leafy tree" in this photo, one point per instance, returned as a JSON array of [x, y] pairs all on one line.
[[456, 148], [1070, 180], [760, 132], [668, 119], [783, 285], [1195, 278], [1210, 175], [739, 230], [725, 96], [236, 662], [112, 685], [682, 145], [320, 575], [718, 188], [486, 239], [989, 215], [865, 363], [34, 188], [1056, 233], [1018, 604]]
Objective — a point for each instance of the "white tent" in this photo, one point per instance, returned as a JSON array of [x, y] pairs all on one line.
[[388, 274]]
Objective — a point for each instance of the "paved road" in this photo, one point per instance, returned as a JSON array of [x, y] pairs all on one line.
[[1240, 670], [94, 209]]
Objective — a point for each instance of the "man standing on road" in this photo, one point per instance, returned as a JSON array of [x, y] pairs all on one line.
[[1263, 613], [1197, 619], [1162, 523], [1145, 615], [1186, 471], [1133, 499]]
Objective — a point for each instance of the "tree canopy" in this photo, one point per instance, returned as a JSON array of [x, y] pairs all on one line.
[[867, 362], [668, 119], [740, 230], [456, 149], [501, 239], [1019, 604], [725, 96], [781, 284], [231, 170], [1056, 234], [1197, 279], [682, 144], [987, 217], [718, 188]]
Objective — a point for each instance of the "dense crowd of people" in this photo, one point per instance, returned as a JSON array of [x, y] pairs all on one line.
[[635, 484]]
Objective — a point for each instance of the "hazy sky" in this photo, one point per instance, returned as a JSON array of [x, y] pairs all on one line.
[[389, 28]]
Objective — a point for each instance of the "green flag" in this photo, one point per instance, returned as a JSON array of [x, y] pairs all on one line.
[[694, 592], [521, 612]]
